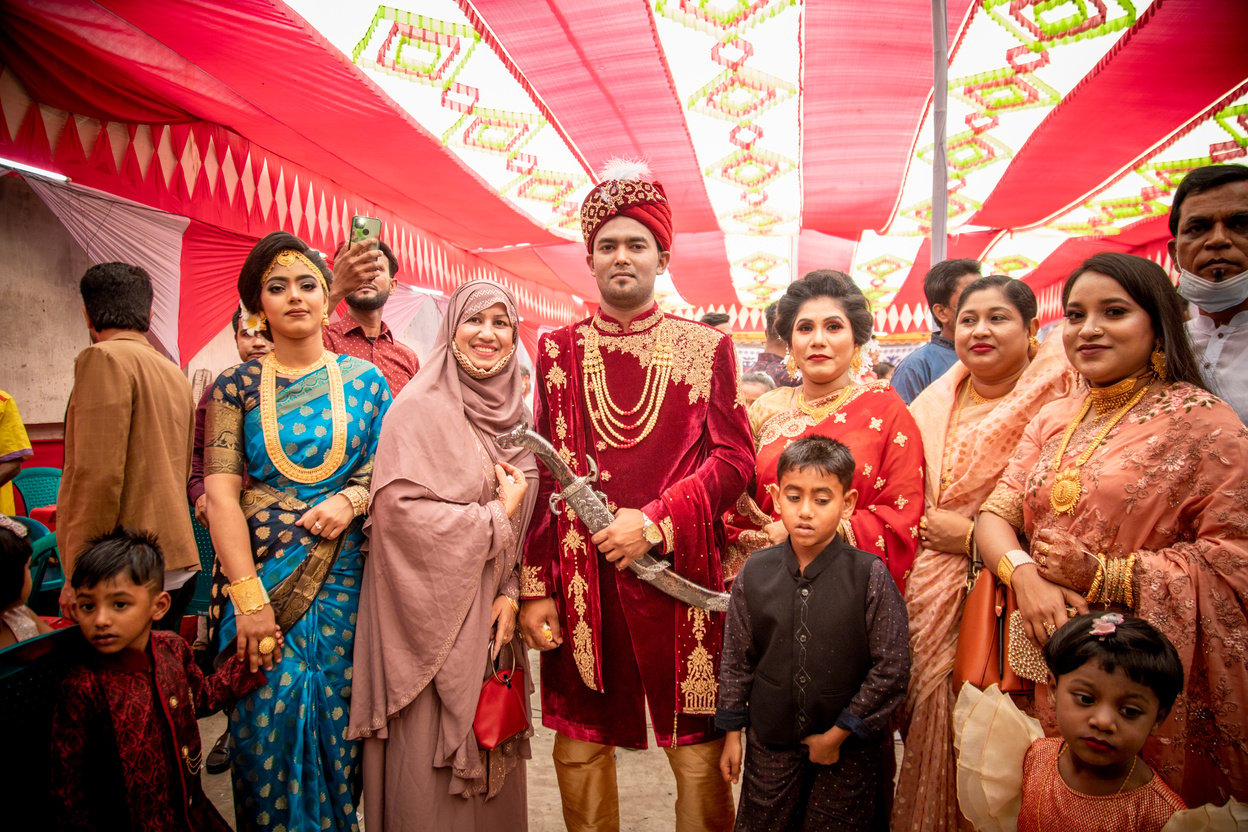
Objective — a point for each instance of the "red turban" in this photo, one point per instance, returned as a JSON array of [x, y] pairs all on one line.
[[637, 199]]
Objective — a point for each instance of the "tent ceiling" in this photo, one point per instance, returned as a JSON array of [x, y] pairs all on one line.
[[789, 135]]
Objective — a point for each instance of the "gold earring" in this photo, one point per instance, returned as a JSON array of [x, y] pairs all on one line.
[[790, 364], [1033, 342], [855, 363], [1158, 359]]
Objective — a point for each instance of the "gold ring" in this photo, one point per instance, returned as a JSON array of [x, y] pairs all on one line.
[[549, 633], [267, 645], [1050, 627]]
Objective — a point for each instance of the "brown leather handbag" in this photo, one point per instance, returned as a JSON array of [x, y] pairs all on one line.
[[983, 637]]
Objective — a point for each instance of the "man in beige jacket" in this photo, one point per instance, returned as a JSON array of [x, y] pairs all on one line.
[[128, 434]]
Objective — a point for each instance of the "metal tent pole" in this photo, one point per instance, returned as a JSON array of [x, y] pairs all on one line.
[[940, 114]]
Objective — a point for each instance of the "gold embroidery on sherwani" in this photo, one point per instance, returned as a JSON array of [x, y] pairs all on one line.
[[552, 349], [555, 377], [693, 349], [531, 583], [699, 687]]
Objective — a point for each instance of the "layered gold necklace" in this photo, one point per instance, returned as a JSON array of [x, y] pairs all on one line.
[[824, 407], [1067, 483], [609, 419], [269, 368]]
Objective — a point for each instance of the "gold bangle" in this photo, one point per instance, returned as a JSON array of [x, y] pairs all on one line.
[[970, 535], [357, 495], [248, 595], [515, 605], [1097, 579], [1128, 590], [1004, 570], [1113, 594]]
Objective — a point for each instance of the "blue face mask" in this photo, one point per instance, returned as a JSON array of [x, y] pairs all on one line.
[[1211, 296]]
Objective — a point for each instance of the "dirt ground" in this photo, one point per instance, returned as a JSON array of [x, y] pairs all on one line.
[[647, 788]]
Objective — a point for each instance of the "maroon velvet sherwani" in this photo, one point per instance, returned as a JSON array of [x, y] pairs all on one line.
[[626, 643], [125, 741]]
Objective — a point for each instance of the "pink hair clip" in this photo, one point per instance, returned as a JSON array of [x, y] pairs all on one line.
[[1106, 625]]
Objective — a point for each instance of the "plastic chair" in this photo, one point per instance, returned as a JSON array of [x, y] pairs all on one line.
[[38, 486], [30, 677], [46, 577], [203, 581]]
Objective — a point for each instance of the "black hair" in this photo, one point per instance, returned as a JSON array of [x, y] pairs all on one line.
[[390, 258], [117, 296], [1140, 649], [123, 550], [825, 283], [882, 368], [942, 279], [1017, 292], [715, 318], [827, 456], [769, 320], [14, 557], [1200, 180], [261, 256], [525, 371], [1150, 287]]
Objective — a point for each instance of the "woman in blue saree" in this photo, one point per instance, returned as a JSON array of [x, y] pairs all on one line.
[[288, 456]]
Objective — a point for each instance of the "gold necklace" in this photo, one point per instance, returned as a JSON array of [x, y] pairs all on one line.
[[288, 468], [819, 412], [1067, 485], [298, 372], [976, 398], [1108, 399], [1057, 774], [608, 417]]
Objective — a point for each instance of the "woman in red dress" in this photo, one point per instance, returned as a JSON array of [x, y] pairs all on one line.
[[825, 320]]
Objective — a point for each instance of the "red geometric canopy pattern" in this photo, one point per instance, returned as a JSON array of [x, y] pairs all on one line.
[[789, 134]]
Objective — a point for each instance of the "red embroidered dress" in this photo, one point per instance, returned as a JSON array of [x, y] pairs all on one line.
[[126, 751], [626, 643], [888, 471]]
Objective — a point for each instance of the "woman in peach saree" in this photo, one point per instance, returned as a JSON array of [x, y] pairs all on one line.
[[970, 419]]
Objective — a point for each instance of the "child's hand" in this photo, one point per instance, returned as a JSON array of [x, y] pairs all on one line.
[[825, 749], [730, 757]]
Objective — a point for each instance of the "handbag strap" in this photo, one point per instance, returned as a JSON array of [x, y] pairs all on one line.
[[494, 668]]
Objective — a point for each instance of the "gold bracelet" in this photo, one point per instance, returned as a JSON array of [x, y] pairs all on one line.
[[1128, 574], [1097, 579], [357, 495], [248, 595], [515, 605], [970, 535], [1113, 594], [1004, 570]]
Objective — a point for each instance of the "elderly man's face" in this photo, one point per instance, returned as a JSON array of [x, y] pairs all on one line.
[[1213, 232], [750, 391]]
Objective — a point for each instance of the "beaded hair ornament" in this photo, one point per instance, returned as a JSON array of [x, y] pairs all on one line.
[[1106, 625], [13, 526]]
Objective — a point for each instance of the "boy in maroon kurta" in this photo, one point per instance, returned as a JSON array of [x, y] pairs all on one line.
[[125, 742], [653, 400]]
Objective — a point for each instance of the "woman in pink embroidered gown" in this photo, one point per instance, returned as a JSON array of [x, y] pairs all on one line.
[[971, 419], [825, 320], [1133, 495]]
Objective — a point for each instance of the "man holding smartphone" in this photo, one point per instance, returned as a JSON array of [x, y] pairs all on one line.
[[364, 275]]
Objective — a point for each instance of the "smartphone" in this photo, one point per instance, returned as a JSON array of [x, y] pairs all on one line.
[[364, 228]]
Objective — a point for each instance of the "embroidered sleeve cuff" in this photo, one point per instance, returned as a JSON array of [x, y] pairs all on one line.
[[854, 725], [729, 719], [532, 583]]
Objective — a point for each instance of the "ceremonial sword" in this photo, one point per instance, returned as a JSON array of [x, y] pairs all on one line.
[[591, 507]]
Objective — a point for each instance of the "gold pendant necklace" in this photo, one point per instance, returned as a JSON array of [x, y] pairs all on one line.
[[1067, 484], [818, 412], [976, 398], [269, 368], [608, 418], [1106, 400]]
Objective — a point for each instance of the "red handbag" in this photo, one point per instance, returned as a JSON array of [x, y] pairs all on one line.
[[500, 710]]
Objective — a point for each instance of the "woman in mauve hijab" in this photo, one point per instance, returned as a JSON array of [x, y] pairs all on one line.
[[442, 580]]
